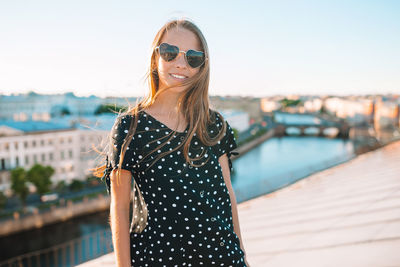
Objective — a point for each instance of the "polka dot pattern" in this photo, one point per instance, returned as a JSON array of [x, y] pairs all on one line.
[[189, 210]]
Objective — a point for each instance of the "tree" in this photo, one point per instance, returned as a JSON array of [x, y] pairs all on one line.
[[109, 108], [40, 176], [61, 187], [3, 200], [76, 185], [18, 184], [65, 111], [235, 133], [322, 110], [92, 180], [290, 102]]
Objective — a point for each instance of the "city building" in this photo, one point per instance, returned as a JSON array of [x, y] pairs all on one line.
[[270, 105], [356, 111], [67, 144], [237, 119], [313, 105], [387, 114], [37, 107]]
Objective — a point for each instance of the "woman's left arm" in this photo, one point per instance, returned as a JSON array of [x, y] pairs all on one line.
[[223, 161]]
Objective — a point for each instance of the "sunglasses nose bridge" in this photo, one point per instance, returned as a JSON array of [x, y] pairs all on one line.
[[181, 57]]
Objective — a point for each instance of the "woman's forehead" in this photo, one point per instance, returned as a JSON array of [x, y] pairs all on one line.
[[181, 37]]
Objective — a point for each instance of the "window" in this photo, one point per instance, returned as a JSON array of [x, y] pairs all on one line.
[[70, 154], [3, 164], [27, 160], [42, 142], [43, 157], [33, 143], [34, 158], [16, 145], [62, 154], [25, 144], [50, 156], [16, 161]]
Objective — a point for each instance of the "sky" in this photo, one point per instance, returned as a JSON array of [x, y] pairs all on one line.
[[257, 48]]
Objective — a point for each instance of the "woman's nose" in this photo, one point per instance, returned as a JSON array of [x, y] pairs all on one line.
[[180, 59]]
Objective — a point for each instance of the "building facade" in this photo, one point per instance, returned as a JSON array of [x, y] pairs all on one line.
[[69, 150]]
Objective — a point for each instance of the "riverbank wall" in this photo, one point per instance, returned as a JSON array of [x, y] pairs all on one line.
[[243, 149], [54, 215]]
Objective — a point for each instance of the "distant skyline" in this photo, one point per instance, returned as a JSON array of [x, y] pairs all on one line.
[[396, 95], [257, 48]]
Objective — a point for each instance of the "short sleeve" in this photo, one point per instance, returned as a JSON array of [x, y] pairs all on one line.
[[117, 136], [227, 144]]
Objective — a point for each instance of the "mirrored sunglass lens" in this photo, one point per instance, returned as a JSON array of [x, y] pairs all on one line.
[[195, 58], [168, 52]]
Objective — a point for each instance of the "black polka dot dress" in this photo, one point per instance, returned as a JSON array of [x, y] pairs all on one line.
[[189, 210]]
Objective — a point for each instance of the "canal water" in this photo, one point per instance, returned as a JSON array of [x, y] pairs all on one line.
[[282, 161], [275, 163], [53, 235]]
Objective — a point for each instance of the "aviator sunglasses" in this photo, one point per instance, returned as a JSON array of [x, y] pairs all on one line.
[[169, 52]]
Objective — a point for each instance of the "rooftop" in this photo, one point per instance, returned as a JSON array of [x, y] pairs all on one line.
[[102, 122], [35, 126]]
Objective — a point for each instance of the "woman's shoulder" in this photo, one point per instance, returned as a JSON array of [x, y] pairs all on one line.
[[122, 126], [215, 125], [123, 121], [127, 118], [216, 118]]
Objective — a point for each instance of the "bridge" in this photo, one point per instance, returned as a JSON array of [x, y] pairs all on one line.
[[308, 124]]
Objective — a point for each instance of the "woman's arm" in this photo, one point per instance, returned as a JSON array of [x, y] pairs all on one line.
[[223, 161], [119, 216]]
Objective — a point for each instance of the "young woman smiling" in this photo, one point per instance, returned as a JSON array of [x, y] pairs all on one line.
[[178, 152]]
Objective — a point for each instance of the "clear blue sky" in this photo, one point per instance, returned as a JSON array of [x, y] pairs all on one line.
[[257, 48]]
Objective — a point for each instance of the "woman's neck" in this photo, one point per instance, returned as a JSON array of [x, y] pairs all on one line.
[[165, 109], [166, 103]]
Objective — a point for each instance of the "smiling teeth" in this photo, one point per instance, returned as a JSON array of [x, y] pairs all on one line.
[[178, 76]]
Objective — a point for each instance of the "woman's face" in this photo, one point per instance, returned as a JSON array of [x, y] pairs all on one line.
[[185, 40]]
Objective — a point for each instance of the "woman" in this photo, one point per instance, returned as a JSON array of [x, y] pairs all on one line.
[[178, 151]]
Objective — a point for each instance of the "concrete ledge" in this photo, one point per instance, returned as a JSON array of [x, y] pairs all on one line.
[[54, 215]]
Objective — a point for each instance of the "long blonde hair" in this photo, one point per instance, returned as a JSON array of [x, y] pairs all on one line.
[[193, 103]]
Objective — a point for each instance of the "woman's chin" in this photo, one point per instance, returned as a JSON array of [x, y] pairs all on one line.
[[177, 88]]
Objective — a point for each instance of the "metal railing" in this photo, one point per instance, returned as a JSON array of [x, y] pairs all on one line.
[[68, 254]]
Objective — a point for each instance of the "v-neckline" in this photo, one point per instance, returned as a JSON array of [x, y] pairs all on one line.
[[163, 124]]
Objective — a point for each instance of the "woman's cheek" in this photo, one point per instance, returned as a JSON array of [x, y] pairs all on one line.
[[163, 74]]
